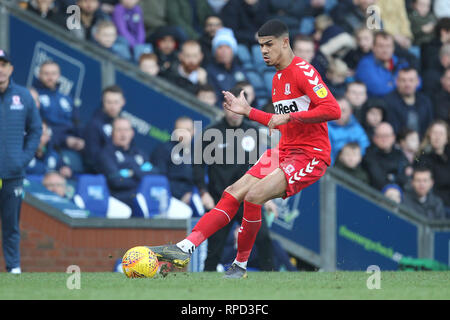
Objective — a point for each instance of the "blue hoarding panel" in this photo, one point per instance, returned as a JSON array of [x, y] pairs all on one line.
[[442, 247], [80, 74], [299, 218], [368, 234]]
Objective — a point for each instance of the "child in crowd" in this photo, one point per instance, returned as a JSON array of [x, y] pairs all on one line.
[[148, 63], [422, 22], [129, 20], [105, 35], [349, 160]]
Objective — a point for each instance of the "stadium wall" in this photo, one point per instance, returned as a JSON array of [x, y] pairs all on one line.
[[51, 241]]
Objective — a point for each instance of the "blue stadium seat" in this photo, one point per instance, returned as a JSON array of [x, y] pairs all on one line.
[[35, 178], [152, 197], [92, 194], [255, 80], [245, 57]]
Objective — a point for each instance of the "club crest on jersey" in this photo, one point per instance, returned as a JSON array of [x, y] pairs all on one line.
[[287, 89], [320, 91]]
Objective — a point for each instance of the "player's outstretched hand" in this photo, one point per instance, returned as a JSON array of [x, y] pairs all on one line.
[[237, 105]]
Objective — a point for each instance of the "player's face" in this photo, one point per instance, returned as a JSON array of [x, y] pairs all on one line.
[[271, 49]]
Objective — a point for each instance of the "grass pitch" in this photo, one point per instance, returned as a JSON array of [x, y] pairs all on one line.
[[210, 285]]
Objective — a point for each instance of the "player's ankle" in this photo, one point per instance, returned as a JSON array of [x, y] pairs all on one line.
[[243, 265]]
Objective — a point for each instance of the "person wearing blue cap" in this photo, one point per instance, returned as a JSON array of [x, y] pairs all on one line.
[[224, 72], [20, 132]]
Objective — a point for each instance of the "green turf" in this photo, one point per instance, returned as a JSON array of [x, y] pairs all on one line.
[[205, 286]]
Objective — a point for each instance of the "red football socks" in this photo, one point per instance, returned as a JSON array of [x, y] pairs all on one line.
[[249, 229], [215, 219]]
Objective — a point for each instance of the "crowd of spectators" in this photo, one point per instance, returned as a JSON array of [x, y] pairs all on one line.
[[388, 67]]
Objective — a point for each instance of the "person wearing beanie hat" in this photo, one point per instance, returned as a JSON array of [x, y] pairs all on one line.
[[224, 71], [394, 192], [224, 36]]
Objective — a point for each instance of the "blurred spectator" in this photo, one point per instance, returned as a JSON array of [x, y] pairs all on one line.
[[384, 162], [48, 10], [395, 21], [364, 41], [303, 47], [217, 5], [345, 130], [56, 183], [432, 75], [393, 192], [293, 13], [421, 198], [107, 6], [212, 24], [441, 8], [97, 132], [155, 14], [189, 16], [334, 42], [435, 154], [372, 114], [165, 43], [188, 73], [57, 109], [225, 71], [207, 94], [378, 69], [249, 91], [356, 94], [46, 158], [442, 98], [90, 15], [406, 107], [430, 50], [349, 160], [148, 63], [171, 163], [35, 96], [409, 142], [422, 21], [105, 35], [122, 163], [336, 77], [351, 14], [129, 20], [245, 17]]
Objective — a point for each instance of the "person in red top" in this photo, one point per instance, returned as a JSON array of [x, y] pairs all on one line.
[[303, 104]]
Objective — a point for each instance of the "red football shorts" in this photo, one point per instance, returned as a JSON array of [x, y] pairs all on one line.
[[300, 168]]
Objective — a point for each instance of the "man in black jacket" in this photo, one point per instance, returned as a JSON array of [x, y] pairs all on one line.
[[20, 132], [421, 198], [241, 140], [384, 162]]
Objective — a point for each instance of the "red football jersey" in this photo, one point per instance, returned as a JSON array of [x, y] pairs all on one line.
[[300, 91]]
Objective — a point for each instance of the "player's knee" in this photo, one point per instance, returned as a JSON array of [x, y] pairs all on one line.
[[254, 196]]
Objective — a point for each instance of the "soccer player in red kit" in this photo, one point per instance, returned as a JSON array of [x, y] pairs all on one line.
[[303, 104]]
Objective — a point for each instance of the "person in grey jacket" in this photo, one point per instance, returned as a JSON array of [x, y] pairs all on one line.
[[421, 198], [20, 131]]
